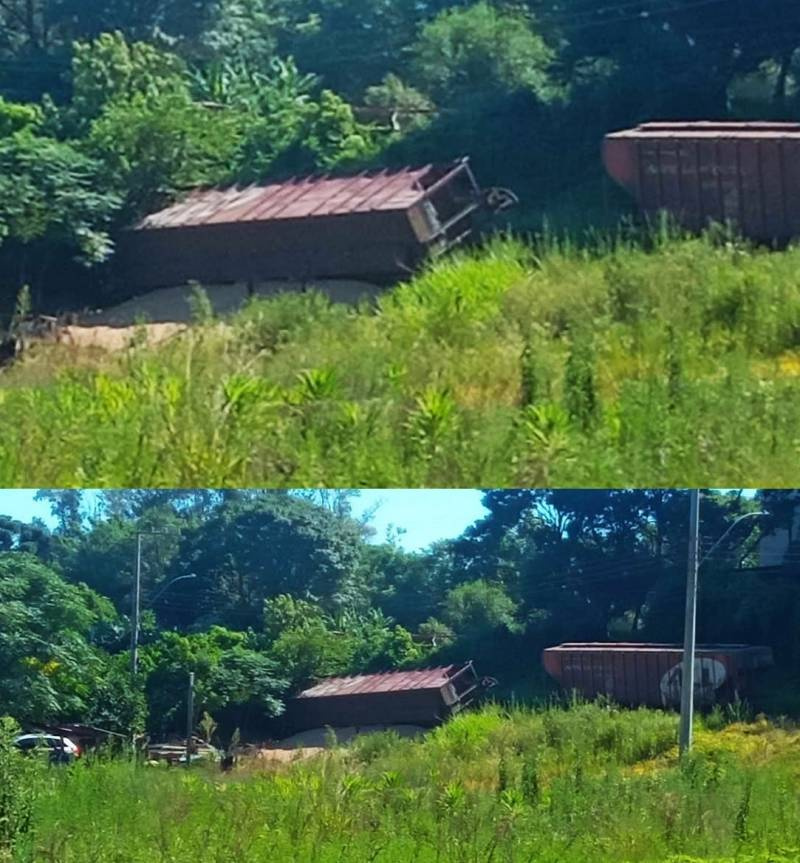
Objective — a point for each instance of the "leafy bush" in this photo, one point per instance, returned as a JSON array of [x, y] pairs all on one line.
[[18, 790], [513, 365], [484, 786]]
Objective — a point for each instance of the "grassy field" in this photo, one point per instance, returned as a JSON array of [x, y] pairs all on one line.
[[553, 786], [674, 362]]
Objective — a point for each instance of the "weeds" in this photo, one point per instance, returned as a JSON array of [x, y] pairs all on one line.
[[558, 784], [518, 364], [19, 785]]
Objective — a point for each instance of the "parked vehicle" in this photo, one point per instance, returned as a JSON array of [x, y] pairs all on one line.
[[174, 752], [61, 750]]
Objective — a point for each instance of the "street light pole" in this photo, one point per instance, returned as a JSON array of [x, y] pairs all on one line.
[[690, 623], [169, 584], [137, 597]]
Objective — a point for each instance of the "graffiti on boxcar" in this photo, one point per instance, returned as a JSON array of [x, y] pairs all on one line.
[[709, 676]]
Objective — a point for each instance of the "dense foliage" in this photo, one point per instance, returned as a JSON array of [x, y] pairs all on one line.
[[518, 365], [108, 109], [285, 588], [588, 783]]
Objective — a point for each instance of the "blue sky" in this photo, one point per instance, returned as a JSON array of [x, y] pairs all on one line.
[[425, 515]]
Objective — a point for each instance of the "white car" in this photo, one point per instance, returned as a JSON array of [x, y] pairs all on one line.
[[62, 749]]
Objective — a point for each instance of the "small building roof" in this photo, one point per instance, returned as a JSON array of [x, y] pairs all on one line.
[[392, 681], [303, 197]]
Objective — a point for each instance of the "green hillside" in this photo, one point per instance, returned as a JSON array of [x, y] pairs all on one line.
[[519, 364]]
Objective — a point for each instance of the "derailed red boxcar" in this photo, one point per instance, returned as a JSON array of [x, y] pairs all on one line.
[[376, 226], [641, 674], [743, 174], [418, 697]]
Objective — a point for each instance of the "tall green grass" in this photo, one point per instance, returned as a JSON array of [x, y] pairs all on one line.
[[562, 786], [536, 363]]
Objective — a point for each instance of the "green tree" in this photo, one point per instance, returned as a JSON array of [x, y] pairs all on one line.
[[14, 117], [152, 149], [312, 651], [117, 703], [352, 43], [303, 135], [404, 107], [47, 665], [284, 612], [246, 30], [233, 682], [110, 69], [467, 51], [66, 505], [348, 643], [253, 550], [51, 200], [34, 538], [478, 608]]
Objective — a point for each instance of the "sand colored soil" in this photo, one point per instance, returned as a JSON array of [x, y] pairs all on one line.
[[287, 756], [162, 314], [110, 338], [319, 737], [173, 305], [315, 741]]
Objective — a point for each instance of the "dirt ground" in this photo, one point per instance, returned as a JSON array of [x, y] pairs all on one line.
[[308, 744], [173, 305], [318, 737], [110, 338], [164, 313], [287, 756]]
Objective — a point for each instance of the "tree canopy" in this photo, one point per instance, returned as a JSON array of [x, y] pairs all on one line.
[[286, 588], [110, 109]]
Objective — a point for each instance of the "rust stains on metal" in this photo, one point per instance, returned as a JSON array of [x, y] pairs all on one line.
[[421, 697], [392, 681], [743, 174], [650, 674], [302, 198], [375, 227]]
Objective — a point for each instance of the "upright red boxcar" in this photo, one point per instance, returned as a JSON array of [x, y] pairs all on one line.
[[744, 174], [650, 674]]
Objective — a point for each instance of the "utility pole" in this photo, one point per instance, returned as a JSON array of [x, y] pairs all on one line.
[[137, 599], [189, 719], [690, 625]]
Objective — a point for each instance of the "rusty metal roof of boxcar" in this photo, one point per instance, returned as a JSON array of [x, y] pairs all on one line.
[[642, 647], [300, 198], [711, 129], [391, 681]]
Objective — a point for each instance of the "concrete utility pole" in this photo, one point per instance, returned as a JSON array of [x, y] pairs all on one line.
[[137, 601], [690, 624], [137, 597], [189, 719]]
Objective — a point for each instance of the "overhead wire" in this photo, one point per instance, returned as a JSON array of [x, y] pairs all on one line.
[[586, 575]]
